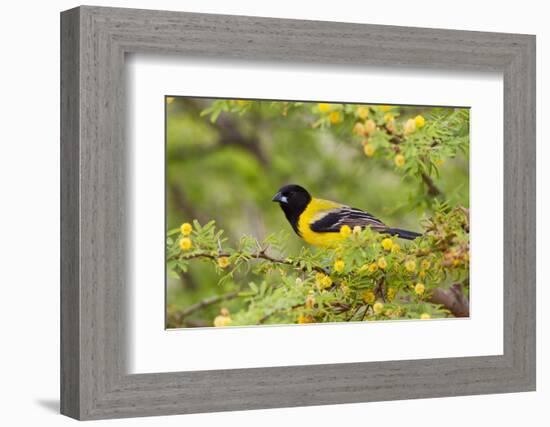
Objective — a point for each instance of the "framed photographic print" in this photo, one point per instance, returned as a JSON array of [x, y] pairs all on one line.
[[243, 198]]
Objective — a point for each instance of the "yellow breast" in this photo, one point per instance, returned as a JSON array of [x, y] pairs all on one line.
[[316, 210]]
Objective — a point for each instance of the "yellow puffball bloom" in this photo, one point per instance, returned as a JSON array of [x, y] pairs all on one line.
[[425, 264], [358, 129], [425, 316], [373, 267], [319, 277], [388, 117], [410, 265], [409, 127], [326, 282], [339, 266], [368, 297], [363, 112], [382, 263], [186, 244], [370, 126], [186, 229], [419, 288], [419, 121], [387, 244], [395, 248], [335, 117], [399, 160], [223, 262], [222, 320], [345, 231], [369, 150], [324, 108], [322, 280], [378, 307], [305, 318], [422, 274]]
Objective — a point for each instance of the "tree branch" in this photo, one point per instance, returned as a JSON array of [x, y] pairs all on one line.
[[453, 300], [257, 255], [205, 303], [433, 190]]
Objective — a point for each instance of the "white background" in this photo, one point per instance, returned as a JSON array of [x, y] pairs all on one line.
[[29, 185], [154, 350]]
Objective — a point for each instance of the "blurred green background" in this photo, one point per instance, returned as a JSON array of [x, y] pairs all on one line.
[[228, 171]]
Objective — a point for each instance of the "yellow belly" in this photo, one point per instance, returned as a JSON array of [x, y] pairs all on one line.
[[317, 209]]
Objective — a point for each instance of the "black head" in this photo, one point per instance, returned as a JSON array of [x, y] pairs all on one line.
[[292, 199]]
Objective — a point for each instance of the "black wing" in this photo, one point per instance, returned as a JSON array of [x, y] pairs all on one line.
[[334, 219]]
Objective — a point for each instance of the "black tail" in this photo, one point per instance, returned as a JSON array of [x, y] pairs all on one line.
[[403, 234]]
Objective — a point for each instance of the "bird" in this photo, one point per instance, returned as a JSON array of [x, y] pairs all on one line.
[[318, 221]]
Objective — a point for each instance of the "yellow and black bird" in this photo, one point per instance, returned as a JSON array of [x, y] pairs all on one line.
[[318, 221]]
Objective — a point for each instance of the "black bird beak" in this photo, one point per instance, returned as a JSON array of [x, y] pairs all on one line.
[[279, 198]]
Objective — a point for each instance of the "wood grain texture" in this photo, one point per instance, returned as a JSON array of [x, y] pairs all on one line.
[[94, 266]]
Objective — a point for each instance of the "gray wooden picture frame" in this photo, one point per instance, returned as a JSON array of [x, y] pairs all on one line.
[[94, 42]]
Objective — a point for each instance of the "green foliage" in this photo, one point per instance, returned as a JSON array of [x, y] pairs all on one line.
[[332, 285], [226, 158]]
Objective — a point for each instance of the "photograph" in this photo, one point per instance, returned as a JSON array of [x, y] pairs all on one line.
[[290, 212]]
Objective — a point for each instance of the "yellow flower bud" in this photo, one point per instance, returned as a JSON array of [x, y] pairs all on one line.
[[382, 263], [305, 318], [390, 294], [399, 160], [223, 262], [425, 316], [369, 150], [373, 267], [378, 307], [395, 248], [363, 112], [368, 297], [324, 108], [419, 121], [319, 277], [410, 265], [326, 282], [186, 244], [335, 117], [422, 274], [345, 231], [387, 244], [419, 288], [310, 301], [223, 319], [357, 230], [370, 126], [359, 129], [186, 229], [339, 266], [409, 127]]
